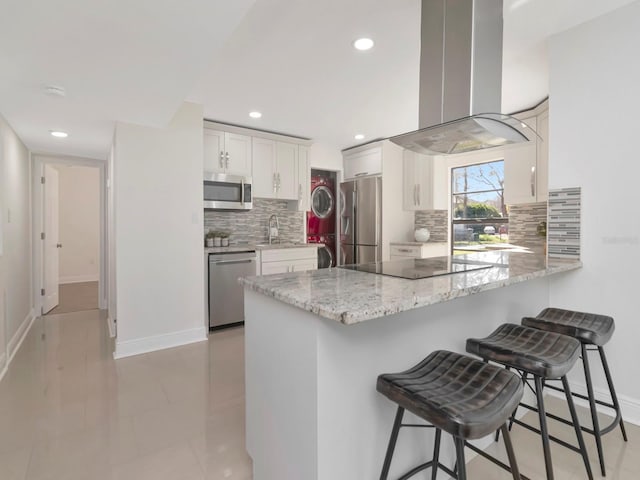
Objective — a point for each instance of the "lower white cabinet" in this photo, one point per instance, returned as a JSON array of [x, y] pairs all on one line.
[[287, 260], [401, 251]]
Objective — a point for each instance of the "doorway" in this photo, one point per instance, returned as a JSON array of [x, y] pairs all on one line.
[[69, 214]]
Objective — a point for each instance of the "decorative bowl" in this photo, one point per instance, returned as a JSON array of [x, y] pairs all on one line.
[[422, 235]]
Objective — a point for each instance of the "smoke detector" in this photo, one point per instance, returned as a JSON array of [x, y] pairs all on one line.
[[55, 91]]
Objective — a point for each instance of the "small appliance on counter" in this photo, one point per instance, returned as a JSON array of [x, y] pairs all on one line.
[[226, 295]]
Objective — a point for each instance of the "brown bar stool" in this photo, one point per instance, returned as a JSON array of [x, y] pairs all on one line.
[[464, 397], [591, 330], [542, 355]]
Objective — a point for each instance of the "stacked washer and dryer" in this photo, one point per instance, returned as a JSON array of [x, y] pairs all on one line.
[[321, 220]]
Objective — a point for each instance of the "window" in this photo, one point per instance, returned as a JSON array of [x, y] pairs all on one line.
[[478, 212]]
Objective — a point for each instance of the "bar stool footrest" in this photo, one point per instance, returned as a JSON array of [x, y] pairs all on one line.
[[492, 459]]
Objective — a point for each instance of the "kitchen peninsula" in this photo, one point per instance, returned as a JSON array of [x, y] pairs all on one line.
[[316, 342]]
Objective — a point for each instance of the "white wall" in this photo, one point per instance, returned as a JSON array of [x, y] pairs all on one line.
[[79, 208], [15, 260], [158, 233], [594, 105]]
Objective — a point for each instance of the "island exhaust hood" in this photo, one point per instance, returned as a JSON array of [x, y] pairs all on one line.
[[461, 80]]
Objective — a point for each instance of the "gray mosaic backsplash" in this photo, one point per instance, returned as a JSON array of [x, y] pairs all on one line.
[[252, 225], [436, 221], [523, 224], [564, 222]]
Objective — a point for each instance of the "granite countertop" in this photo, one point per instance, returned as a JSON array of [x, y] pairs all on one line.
[[261, 246], [350, 297]]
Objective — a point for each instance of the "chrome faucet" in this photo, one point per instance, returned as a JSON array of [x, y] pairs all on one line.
[[273, 231]]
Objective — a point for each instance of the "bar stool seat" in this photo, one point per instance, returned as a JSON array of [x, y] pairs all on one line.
[[460, 395], [544, 356], [587, 327], [591, 330], [547, 355]]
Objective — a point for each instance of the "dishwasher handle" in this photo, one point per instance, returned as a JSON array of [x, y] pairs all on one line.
[[229, 262]]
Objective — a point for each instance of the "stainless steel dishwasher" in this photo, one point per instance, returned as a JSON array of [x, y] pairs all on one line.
[[226, 295]]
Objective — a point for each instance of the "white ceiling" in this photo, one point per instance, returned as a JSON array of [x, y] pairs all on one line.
[[127, 60], [137, 60]]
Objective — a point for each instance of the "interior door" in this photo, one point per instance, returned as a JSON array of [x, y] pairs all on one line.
[[51, 239]]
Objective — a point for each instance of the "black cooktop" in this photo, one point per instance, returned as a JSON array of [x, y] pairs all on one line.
[[415, 268]]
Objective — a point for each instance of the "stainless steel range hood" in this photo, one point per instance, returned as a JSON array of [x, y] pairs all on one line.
[[461, 80]]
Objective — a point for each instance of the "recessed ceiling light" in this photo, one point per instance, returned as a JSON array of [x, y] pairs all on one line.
[[255, 114], [359, 136], [363, 44], [58, 134]]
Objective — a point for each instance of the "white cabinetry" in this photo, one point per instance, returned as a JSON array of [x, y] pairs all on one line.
[[424, 182], [526, 165], [286, 260], [226, 152], [275, 167], [363, 162], [400, 251], [304, 179]]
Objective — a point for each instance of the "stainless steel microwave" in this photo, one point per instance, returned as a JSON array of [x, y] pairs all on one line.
[[227, 192]]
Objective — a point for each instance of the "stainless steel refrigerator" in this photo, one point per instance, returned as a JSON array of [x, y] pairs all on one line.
[[361, 220]]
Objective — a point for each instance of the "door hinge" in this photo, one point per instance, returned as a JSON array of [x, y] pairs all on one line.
[[42, 292], [42, 179], [42, 236]]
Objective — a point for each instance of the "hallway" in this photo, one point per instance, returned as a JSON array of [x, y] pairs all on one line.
[[76, 297]]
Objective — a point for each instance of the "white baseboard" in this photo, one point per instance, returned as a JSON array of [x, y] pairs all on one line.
[[15, 342], [21, 333], [79, 278], [128, 348], [630, 406]]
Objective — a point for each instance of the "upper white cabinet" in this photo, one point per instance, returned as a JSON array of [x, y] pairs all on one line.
[[287, 170], [424, 182], [275, 169], [226, 152], [526, 165], [279, 165], [304, 179], [362, 162]]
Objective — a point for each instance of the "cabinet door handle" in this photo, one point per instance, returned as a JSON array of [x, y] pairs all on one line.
[[419, 195], [415, 195], [279, 182], [221, 159], [275, 186], [227, 157], [405, 250], [533, 181]]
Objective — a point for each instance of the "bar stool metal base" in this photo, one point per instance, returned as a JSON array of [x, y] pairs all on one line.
[[593, 331], [459, 471]]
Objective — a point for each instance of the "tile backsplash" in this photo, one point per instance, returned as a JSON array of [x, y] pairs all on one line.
[[252, 225], [523, 224], [564, 222], [436, 221]]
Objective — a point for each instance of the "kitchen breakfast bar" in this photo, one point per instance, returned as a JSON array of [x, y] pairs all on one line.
[[316, 342]]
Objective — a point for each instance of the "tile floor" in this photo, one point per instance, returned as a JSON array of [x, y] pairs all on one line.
[[68, 411]]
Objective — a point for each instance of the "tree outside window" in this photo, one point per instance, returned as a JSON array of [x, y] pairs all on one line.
[[479, 214]]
